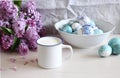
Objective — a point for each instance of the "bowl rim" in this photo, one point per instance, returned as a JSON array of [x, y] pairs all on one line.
[[110, 31]]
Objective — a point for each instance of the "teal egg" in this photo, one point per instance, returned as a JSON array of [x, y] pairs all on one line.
[[92, 23], [67, 28], [114, 41], [105, 50], [98, 31], [116, 49]]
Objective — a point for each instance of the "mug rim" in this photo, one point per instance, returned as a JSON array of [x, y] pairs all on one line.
[[60, 41]]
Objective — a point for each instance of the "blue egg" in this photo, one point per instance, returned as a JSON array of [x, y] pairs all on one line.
[[105, 51], [116, 49], [67, 28], [114, 41], [98, 31], [87, 30]]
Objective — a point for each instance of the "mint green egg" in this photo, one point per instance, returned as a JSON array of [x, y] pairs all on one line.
[[114, 41], [67, 28], [105, 50], [116, 49], [98, 31]]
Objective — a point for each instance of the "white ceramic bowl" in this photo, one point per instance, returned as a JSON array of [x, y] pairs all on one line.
[[82, 41]]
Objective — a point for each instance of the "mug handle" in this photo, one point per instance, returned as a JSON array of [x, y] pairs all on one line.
[[71, 51]]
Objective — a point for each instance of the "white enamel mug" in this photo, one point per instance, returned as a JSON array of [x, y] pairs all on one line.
[[50, 52]]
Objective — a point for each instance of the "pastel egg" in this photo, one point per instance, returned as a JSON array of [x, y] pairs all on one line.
[[72, 21], [87, 30], [85, 18], [105, 51], [92, 24], [76, 26], [114, 41], [67, 28], [116, 49], [98, 31]]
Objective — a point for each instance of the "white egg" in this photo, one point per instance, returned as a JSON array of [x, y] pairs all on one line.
[[86, 19], [76, 26]]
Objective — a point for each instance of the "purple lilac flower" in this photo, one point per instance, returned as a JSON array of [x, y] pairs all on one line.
[[33, 45], [1, 23], [35, 23], [22, 15], [6, 24], [28, 16], [31, 35], [7, 41], [38, 21], [39, 26], [42, 32], [37, 16], [8, 10], [32, 17], [19, 27], [31, 7], [23, 48], [31, 23]]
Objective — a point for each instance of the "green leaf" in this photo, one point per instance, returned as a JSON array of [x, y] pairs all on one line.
[[7, 30], [16, 43], [18, 3], [26, 27]]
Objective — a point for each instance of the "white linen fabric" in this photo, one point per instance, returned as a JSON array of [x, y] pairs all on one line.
[[55, 10]]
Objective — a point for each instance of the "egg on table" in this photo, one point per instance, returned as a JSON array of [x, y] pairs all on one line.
[[115, 44], [116, 49], [105, 50], [114, 41]]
